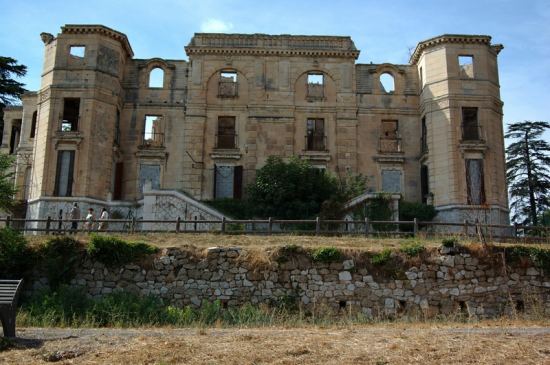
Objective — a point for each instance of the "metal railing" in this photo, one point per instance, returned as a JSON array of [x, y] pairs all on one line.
[[270, 226], [389, 145], [316, 142], [226, 141], [471, 133]]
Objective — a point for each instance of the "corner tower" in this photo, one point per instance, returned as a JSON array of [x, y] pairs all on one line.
[[79, 103], [462, 146]]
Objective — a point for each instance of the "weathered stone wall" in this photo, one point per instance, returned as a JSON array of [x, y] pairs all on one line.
[[441, 283]]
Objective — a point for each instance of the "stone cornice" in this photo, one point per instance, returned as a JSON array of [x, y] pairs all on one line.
[[448, 38], [99, 29], [264, 45]]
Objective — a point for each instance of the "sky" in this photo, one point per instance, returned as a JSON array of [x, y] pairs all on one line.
[[384, 31]]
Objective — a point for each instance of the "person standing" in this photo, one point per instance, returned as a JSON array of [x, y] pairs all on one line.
[[102, 220], [74, 214], [90, 219]]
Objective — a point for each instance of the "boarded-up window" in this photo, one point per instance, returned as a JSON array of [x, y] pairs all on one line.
[[226, 137], [149, 174], [64, 173], [466, 64], [391, 181], [475, 181], [228, 182], [470, 127], [71, 110], [315, 137]]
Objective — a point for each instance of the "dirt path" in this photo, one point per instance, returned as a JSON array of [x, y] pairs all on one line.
[[377, 344]]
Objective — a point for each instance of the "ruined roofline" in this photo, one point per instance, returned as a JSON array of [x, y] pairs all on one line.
[[450, 38], [265, 44], [99, 29]]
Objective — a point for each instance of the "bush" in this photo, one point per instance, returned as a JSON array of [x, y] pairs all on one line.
[[59, 256], [234, 208], [16, 258], [412, 248], [283, 253], [378, 209], [449, 242], [113, 251], [410, 210], [538, 256], [326, 254], [381, 258]]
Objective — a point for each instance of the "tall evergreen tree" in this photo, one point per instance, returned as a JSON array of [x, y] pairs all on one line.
[[528, 171], [10, 90]]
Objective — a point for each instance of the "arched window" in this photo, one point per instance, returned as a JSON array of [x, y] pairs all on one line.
[[156, 77], [387, 83], [33, 125]]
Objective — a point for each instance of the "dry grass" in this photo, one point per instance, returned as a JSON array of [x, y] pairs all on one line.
[[482, 343]]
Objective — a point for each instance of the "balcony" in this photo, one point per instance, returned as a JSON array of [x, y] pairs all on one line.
[[472, 133], [228, 89], [152, 140], [316, 142], [389, 145]]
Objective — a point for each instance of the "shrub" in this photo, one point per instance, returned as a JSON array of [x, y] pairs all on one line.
[[234, 208], [16, 258], [382, 257], [113, 251], [283, 253], [59, 257], [538, 256], [378, 209], [326, 254], [412, 248], [410, 210], [449, 242]]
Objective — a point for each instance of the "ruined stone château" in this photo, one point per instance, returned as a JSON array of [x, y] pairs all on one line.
[[158, 135]]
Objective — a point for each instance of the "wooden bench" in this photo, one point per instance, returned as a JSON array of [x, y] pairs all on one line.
[[9, 293]]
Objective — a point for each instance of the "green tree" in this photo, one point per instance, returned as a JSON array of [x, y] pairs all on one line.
[[7, 188], [527, 170], [10, 90], [290, 190]]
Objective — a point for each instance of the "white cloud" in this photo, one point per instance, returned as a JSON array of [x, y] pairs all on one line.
[[216, 26]]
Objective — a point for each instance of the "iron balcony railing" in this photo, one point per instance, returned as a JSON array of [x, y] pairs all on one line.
[[226, 141], [316, 142], [471, 133]]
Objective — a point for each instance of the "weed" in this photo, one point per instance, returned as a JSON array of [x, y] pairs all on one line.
[[449, 242], [284, 253], [326, 254], [538, 256], [412, 248], [381, 258], [113, 251]]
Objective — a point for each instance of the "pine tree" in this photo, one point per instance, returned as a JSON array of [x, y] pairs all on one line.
[[528, 171], [10, 90]]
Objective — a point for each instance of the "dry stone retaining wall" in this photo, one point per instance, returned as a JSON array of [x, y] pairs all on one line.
[[443, 283]]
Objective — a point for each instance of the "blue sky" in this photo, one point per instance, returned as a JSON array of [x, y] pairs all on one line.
[[383, 31]]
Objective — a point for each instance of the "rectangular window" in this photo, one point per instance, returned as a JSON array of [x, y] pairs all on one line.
[[228, 182], [117, 188], [77, 51], [470, 127], [117, 128], [424, 183], [152, 131], [391, 181], [315, 85], [389, 139], [226, 137], [475, 181], [227, 87], [15, 135], [71, 110], [64, 173], [466, 64], [315, 138], [424, 136], [421, 72]]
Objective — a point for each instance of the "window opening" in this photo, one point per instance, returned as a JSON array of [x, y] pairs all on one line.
[[227, 84], [315, 137], [315, 85], [117, 128], [15, 135], [470, 127], [390, 141], [387, 83], [421, 78], [424, 136], [466, 64], [71, 109], [33, 125], [226, 137], [475, 181], [152, 133], [156, 77], [64, 173], [424, 183], [77, 51]]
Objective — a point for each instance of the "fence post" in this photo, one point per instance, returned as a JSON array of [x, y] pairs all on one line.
[[415, 230], [317, 226], [516, 230], [133, 225], [8, 221], [269, 226], [178, 225], [223, 225], [465, 229], [367, 226], [195, 224], [48, 223]]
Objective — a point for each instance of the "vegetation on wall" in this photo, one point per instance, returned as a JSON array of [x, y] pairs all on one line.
[[7, 187], [59, 257], [113, 251], [379, 209], [16, 257]]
